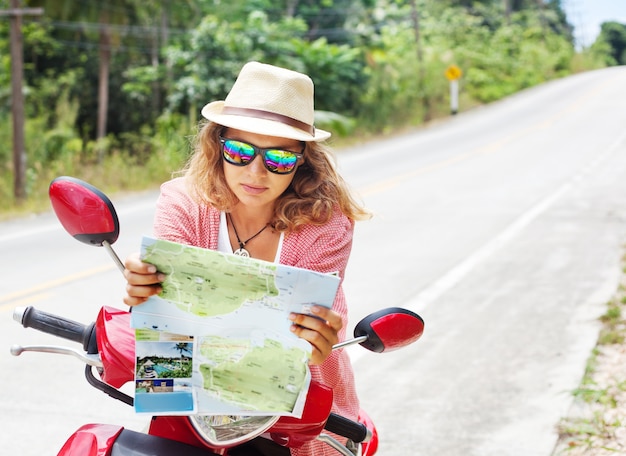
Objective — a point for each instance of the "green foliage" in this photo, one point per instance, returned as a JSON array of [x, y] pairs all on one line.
[[205, 67], [337, 72], [340, 125], [377, 65], [514, 57], [393, 92], [614, 324], [6, 165], [613, 35]]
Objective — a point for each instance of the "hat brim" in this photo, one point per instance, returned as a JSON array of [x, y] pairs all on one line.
[[213, 112]]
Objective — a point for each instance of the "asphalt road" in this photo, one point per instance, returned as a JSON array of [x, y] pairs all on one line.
[[503, 227]]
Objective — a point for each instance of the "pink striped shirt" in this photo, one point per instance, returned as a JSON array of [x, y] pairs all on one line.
[[325, 249]]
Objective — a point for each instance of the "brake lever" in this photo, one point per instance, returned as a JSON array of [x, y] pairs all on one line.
[[92, 360]]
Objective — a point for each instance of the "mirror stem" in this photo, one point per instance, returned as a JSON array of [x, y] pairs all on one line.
[[345, 343], [113, 255]]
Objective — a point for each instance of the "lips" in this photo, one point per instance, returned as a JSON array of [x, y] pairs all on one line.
[[253, 189]]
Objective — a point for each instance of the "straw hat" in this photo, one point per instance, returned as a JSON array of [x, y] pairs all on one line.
[[271, 101]]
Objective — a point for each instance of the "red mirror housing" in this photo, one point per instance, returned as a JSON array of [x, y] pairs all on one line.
[[84, 211], [389, 329]]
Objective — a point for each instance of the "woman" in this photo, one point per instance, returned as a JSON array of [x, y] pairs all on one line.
[[261, 184]]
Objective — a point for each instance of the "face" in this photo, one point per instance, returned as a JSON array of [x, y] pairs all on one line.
[[253, 184]]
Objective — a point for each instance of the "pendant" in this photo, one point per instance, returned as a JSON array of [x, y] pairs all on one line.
[[242, 252]]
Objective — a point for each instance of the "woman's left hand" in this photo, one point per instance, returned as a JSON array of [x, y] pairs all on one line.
[[320, 330]]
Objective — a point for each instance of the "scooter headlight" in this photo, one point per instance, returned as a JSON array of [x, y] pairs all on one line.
[[230, 430]]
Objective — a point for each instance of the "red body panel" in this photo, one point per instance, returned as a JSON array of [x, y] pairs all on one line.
[[369, 448], [91, 440], [294, 432], [116, 344], [175, 428]]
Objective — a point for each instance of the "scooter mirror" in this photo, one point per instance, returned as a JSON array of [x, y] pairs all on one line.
[[84, 211], [389, 329]]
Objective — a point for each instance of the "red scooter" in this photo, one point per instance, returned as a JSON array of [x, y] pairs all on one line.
[[109, 347]]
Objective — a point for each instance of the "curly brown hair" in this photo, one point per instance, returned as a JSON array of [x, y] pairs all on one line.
[[316, 189]]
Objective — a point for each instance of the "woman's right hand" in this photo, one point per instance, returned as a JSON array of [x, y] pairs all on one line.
[[143, 280]]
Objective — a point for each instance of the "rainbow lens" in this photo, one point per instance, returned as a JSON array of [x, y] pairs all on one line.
[[280, 161], [237, 152]]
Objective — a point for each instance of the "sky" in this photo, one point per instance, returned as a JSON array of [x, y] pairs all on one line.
[[587, 15]]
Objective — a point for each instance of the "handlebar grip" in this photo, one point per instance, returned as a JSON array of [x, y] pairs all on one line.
[[29, 317], [357, 432]]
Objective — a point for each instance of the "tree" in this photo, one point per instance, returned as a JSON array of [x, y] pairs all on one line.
[[182, 348], [105, 15], [614, 34]]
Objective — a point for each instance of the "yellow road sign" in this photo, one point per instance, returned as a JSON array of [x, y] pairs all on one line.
[[453, 73]]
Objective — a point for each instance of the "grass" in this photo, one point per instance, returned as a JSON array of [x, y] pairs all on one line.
[[114, 176], [598, 426], [117, 173]]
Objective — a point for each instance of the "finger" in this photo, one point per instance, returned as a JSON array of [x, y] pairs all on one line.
[[324, 321], [332, 318], [311, 322], [320, 346], [133, 300], [134, 278], [138, 294], [134, 264], [143, 291], [138, 272]]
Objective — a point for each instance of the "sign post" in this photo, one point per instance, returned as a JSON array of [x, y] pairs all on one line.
[[453, 74]]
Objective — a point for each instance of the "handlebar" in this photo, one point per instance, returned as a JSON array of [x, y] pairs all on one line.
[[29, 317], [353, 430]]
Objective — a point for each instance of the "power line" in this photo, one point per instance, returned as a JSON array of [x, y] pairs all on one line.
[[580, 33]]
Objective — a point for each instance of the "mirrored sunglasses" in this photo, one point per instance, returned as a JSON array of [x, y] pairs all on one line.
[[276, 161]]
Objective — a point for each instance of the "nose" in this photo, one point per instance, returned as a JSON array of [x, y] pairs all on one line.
[[256, 166]]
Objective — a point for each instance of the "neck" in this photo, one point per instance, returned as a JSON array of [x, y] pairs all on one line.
[[249, 220]]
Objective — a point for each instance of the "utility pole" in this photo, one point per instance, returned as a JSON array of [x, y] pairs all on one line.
[[508, 8], [17, 97], [420, 61]]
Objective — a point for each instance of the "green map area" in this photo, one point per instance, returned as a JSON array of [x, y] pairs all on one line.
[[238, 373], [223, 284]]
